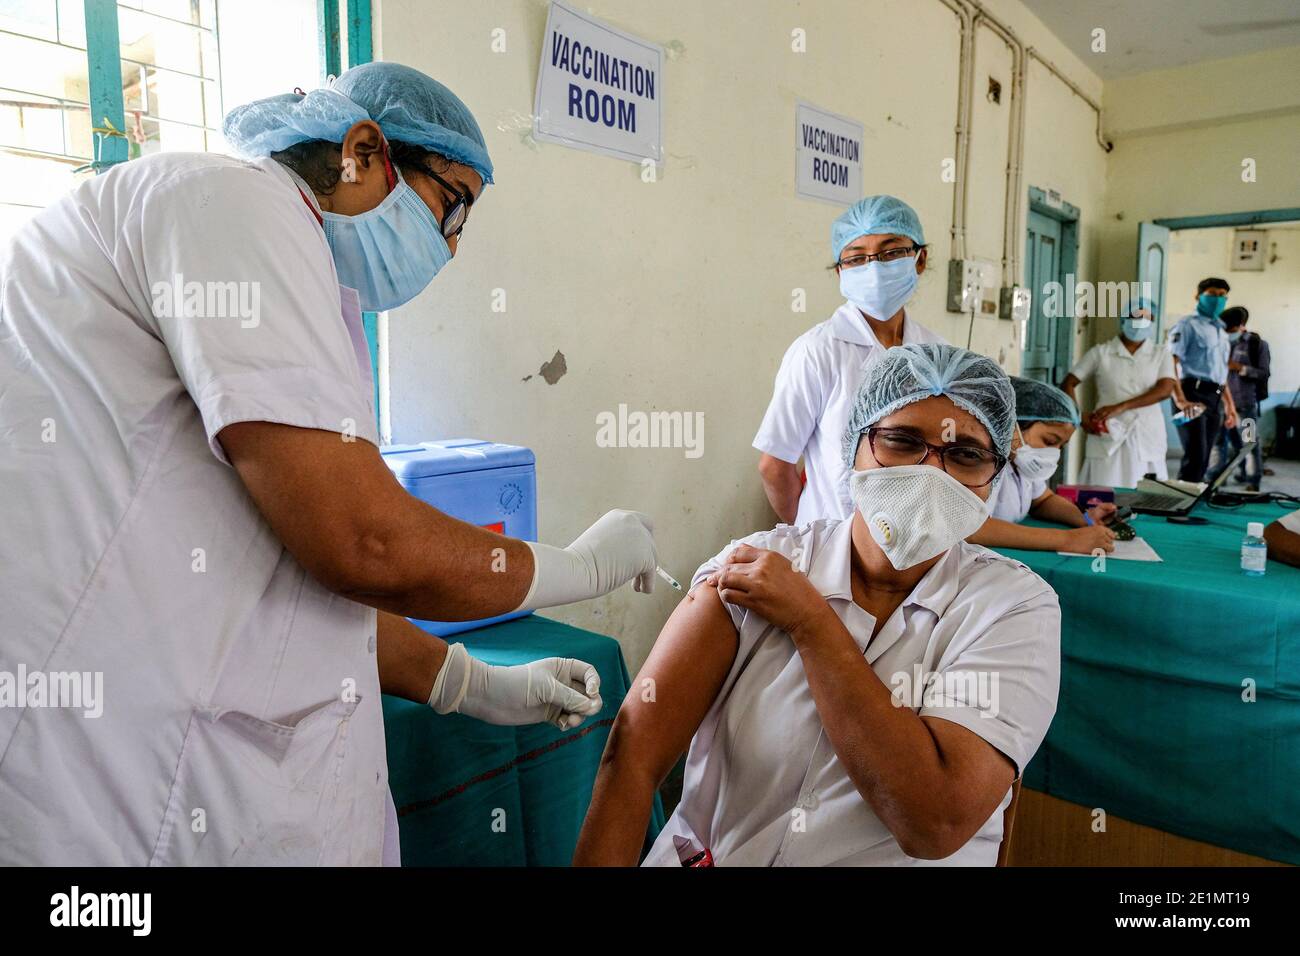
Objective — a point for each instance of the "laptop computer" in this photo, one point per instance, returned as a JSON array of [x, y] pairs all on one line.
[[1154, 497]]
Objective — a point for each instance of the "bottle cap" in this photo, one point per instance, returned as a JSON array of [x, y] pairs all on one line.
[[1255, 529]]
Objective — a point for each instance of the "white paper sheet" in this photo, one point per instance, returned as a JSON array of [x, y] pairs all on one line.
[[1135, 550]]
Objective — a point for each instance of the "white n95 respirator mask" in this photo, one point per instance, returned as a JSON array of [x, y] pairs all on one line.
[[1037, 463], [914, 512]]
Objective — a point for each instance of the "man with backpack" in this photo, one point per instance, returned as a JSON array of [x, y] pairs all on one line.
[[1248, 372]]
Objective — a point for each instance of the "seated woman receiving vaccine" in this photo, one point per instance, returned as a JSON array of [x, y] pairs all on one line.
[[858, 691]]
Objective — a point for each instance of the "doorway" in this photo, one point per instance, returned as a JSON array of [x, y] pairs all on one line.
[[1052, 254]]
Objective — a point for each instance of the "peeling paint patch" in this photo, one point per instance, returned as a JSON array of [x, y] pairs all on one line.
[[675, 50], [554, 370]]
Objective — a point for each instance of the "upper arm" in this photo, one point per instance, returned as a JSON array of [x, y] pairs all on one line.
[[677, 684], [327, 499], [1166, 369], [977, 769], [1002, 685]]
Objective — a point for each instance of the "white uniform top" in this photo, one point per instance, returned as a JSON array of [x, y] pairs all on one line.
[[763, 786], [813, 398], [241, 719], [1120, 376], [1290, 521], [1013, 494]]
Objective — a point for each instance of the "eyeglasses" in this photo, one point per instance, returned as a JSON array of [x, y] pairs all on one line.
[[971, 465], [888, 255], [453, 220]]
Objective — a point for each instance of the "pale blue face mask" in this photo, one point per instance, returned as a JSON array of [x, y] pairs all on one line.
[[880, 289], [389, 253], [1137, 330]]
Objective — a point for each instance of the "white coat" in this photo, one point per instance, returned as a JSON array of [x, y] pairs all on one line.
[[815, 389], [1121, 375], [241, 724]]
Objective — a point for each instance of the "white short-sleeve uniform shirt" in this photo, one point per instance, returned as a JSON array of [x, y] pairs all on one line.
[[763, 785], [815, 387], [1120, 375], [1013, 494], [240, 709]]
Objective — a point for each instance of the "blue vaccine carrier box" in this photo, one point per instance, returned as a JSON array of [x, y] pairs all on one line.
[[480, 482]]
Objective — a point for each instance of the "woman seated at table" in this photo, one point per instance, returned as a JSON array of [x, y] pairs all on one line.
[[861, 691], [1046, 418]]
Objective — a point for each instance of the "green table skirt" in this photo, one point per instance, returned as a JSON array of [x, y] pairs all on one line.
[[473, 794], [1154, 723]]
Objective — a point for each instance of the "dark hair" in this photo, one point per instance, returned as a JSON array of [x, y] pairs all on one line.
[[1213, 283], [1234, 317], [319, 162]]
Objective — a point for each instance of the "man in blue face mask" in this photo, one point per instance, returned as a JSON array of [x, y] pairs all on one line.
[[1200, 348], [197, 510]]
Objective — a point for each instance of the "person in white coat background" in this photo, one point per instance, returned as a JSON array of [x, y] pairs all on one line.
[[1126, 431], [880, 252], [196, 512]]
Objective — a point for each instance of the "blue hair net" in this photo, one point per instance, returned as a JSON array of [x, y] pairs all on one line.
[[875, 216], [1138, 303], [408, 106], [1040, 402], [910, 373]]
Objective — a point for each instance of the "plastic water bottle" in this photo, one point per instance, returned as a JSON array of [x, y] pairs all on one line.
[[1254, 552]]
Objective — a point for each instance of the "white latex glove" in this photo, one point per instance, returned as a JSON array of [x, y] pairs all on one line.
[[620, 546], [558, 690]]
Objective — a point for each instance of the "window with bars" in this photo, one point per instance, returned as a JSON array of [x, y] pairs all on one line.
[[170, 55]]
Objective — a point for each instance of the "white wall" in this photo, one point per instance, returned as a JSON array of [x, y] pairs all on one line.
[[676, 295], [1180, 140], [1271, 296]]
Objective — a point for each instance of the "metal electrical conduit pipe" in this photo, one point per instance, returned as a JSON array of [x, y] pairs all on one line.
[[972, 16], [965, 81]]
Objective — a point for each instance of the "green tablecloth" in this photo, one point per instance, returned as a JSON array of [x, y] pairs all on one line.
[[471, 794], [1151, 725]]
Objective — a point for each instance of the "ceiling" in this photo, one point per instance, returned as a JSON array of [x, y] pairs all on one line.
[[1146, 35]]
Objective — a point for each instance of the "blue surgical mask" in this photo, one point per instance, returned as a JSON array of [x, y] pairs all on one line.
[[1137, 330], [880, 289], [1211, 306], [1234, 336], [389, 253]]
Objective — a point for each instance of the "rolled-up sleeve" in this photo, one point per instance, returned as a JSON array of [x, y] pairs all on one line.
[[1003, 685], [245, 299]]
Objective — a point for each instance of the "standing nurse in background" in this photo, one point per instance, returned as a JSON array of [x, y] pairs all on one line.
[[880, 252], [1126, 431]]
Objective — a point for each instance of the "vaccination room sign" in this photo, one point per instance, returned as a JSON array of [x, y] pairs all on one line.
[[827, 155], [599, 89]]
